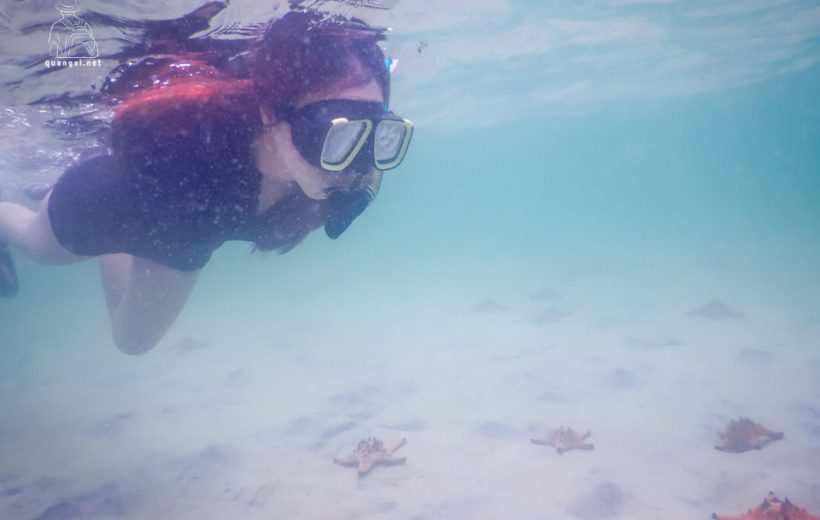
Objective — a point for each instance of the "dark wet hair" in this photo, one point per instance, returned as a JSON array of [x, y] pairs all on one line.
[[305, 53], [302, 53]]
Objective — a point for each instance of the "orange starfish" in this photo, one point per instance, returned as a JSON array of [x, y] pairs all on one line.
[[772, 508], [565, 439], [744, 435], [371, 452]]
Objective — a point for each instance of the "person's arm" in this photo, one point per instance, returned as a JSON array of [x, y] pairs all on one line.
[[144, 299]]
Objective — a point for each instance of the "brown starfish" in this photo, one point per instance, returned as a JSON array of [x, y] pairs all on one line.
[[744, 435], [565, 439], [371, 452], [772, 508]]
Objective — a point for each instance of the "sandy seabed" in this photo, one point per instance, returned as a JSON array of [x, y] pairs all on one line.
[[225, 420]]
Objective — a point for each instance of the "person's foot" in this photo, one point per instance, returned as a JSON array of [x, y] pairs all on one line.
[[8, 276]]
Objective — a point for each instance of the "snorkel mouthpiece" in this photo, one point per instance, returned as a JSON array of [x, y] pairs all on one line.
[[344, 208]]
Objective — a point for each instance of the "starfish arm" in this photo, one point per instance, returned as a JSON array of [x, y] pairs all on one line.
[[398, 445], [751, 514], [347, 461], [796, 513], [803, 515], [365, 465], [759, 429], [390, 460], [728, 448], [540, 441]]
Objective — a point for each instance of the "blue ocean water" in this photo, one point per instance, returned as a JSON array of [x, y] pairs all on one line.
[[584, 177]]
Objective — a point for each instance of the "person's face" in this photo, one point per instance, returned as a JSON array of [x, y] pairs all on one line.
[[315, 182]]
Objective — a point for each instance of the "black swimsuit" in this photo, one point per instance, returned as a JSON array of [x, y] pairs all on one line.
[[171, 198]]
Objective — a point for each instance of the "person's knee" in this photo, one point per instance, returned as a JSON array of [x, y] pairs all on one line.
[[133, 347], [133, 340]]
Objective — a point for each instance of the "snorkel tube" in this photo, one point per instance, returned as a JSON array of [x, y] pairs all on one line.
[[345, 206]]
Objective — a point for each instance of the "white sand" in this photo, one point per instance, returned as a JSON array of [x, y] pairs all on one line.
[[246, 426]]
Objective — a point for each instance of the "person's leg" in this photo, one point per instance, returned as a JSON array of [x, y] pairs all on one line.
[[115, 272], [144, 299], [30, 232], [8, 276]]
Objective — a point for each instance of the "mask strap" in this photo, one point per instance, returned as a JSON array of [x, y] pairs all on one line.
[[390, 64]]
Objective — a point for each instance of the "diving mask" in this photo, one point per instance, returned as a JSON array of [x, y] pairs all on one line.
[[341, 134]]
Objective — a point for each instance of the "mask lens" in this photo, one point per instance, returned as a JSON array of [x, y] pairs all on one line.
[[342, 143], [390, 143]]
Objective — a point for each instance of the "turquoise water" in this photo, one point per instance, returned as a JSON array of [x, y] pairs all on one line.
[[584, 176]]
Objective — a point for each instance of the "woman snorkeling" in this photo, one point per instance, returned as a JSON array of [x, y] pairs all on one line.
[[294, 139]]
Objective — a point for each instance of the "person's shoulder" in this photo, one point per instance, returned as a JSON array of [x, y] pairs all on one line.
[[170, 116], [183, 138]]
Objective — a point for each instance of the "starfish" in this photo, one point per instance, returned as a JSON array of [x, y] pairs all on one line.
[[371, 452], [714, 310], [744, 435], [772, 508], [565, 439]]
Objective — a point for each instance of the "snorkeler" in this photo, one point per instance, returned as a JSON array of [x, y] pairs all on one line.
[[205, 155]]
